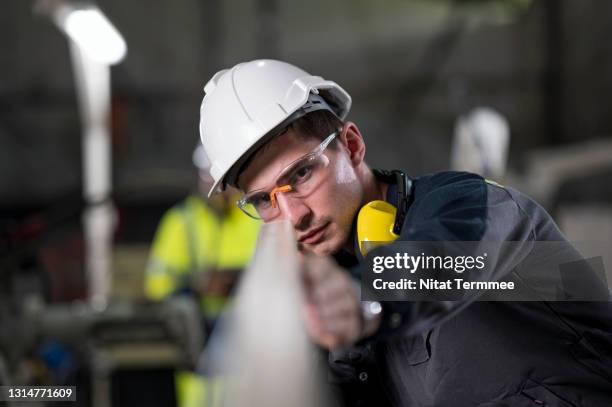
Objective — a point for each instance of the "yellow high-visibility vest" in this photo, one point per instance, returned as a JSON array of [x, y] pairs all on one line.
[[191, 238]]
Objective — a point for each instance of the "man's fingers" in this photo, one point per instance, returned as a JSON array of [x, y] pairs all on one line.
[[318, 269], [325, 279], [335, 314], [329, 289], [343, 307], [316, 329], [343, 330]]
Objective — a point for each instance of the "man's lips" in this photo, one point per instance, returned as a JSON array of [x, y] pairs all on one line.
[[314, 235]]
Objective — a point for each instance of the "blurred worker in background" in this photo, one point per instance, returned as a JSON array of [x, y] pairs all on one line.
[[200, 247], [279, 134]]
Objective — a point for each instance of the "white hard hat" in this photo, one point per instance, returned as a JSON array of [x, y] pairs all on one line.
[[480, 143], [253, 99]]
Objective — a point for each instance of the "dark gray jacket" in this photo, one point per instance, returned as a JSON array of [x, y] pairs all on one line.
[[474, 353]]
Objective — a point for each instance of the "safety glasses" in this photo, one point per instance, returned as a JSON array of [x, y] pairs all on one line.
[[298, 180]]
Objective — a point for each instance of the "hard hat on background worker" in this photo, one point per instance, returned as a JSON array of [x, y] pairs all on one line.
[[200, 159], [202, 163], [244, 105]]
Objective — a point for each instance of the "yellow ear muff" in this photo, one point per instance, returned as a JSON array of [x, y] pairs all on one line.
[[375, 225]]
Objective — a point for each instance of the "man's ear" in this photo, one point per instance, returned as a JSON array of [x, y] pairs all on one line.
[[352, 140]]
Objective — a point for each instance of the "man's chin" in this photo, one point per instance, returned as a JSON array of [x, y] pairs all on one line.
[[323, 248], [311, 249]]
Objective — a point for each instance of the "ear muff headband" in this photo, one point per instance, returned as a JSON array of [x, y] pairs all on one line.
[[403, 195]]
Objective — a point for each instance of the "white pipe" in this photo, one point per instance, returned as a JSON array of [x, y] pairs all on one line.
[[93, 90], [264, 348]]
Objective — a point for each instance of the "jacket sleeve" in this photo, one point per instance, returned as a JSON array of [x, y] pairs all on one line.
[[169, 258], [455, 207]]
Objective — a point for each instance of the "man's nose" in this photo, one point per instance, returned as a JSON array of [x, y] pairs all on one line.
[[294, 210]]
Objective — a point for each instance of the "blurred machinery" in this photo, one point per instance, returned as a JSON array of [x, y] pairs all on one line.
[[124, 355], [50, 335], [547, 170]]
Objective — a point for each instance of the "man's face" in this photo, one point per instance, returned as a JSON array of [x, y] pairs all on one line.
[[323, 219]]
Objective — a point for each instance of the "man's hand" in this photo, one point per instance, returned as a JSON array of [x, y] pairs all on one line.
[[333, 311]]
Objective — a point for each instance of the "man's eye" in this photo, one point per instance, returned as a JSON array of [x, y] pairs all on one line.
[[260, 200], [301, 174]]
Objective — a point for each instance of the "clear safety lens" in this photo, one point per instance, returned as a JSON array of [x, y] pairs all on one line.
[[298, 180]]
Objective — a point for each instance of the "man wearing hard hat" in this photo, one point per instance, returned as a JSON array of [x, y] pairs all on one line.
[[200, 245], [280, 135]]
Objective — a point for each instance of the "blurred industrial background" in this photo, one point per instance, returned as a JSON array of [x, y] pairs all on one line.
[[413, 68]]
